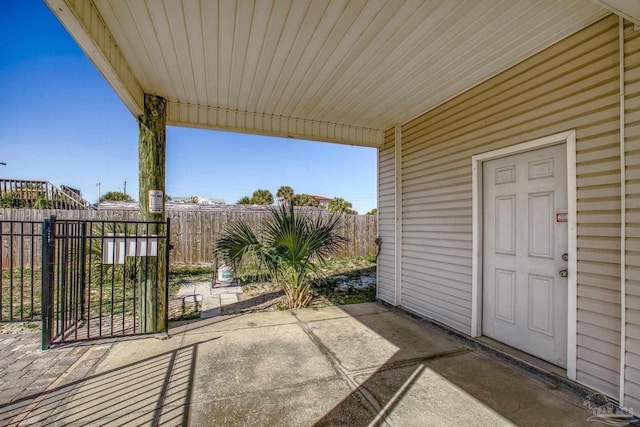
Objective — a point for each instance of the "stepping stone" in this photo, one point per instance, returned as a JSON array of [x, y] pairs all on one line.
[[210, 299], [227, 290]]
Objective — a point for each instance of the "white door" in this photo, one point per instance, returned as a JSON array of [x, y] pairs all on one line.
[[525, 237]]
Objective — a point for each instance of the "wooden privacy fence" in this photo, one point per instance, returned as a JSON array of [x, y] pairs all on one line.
[[193, 233]]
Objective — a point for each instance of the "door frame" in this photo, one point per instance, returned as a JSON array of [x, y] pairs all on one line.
[[568, 138]]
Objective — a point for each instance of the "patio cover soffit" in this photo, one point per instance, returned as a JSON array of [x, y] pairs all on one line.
[[327, 70]]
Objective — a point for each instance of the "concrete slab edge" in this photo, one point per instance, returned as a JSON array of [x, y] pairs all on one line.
[[551, 378]]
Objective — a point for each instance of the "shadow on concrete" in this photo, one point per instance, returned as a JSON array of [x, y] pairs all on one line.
[[182, 326], [153, 391], [425, 382], [256, 303], [386, 368]]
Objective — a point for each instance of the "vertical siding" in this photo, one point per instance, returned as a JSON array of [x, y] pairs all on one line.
[[386, 219], [632, 142], [571, 85]]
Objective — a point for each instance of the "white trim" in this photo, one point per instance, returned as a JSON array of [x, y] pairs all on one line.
[[86, 26], [572, 285], [378, 240], [627, 10], [476, 258], [623, 221], [398, 214], [203, 117], [568, 137]]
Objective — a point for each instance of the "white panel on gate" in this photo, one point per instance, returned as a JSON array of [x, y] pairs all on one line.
[[113, 250], [141, 246], [116, 249]]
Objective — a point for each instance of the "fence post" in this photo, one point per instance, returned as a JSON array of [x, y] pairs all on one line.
[[166, 287], [48, 245]]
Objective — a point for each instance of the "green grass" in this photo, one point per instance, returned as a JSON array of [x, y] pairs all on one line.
[[180, 274], [332, 287], [15, 303], [327, 281]]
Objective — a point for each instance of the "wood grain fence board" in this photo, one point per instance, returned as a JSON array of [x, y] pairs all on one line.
[[193, 233]]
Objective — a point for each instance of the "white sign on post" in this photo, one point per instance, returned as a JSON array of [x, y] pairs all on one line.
[[156, 201]]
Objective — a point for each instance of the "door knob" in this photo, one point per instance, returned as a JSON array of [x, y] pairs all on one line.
[[563, 273], [565, 257]]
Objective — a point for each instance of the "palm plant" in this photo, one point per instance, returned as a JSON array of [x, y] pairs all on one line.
[[302, 200], [284, 194], [340, 205], [116, 196], [262, 197], [290, 248]]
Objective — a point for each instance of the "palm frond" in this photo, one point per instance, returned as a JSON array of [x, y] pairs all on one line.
[[238, 241], [291, 243]]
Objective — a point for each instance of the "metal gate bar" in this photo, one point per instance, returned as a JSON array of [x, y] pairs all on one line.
[[19, 263], [103, 278]]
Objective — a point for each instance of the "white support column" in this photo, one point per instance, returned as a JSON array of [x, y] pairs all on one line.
[[398, 214], [623, 220]]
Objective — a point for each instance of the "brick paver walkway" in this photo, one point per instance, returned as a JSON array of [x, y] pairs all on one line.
[[32, 380]]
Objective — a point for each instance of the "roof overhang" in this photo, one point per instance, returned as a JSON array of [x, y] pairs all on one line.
[[328, 70], [628, 9]]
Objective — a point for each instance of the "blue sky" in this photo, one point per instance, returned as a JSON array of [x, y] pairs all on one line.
[[60, 121]]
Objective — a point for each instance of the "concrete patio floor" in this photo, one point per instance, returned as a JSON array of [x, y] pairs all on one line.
[[354, 365]]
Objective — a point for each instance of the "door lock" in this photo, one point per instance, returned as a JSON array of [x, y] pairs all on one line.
[[563, 273], [565, 257]]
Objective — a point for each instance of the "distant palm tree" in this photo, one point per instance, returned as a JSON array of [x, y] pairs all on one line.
[[291, 244], [246, 200], [262, 197], [116, 196], [340, 205], [284, 194], [303, 200]]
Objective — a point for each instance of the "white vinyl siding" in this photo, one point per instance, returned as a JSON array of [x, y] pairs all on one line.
[[386, 219], [571, 85], [632, 141]]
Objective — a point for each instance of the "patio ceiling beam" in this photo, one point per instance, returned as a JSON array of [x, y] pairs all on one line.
[[84, 23], [189, 115]]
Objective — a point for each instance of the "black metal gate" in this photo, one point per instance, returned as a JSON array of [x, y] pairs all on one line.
[[103, 279]]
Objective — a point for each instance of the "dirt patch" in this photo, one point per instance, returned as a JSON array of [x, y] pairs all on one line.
[[181, 308], [352, 288], [257, 297], [20, 328]]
